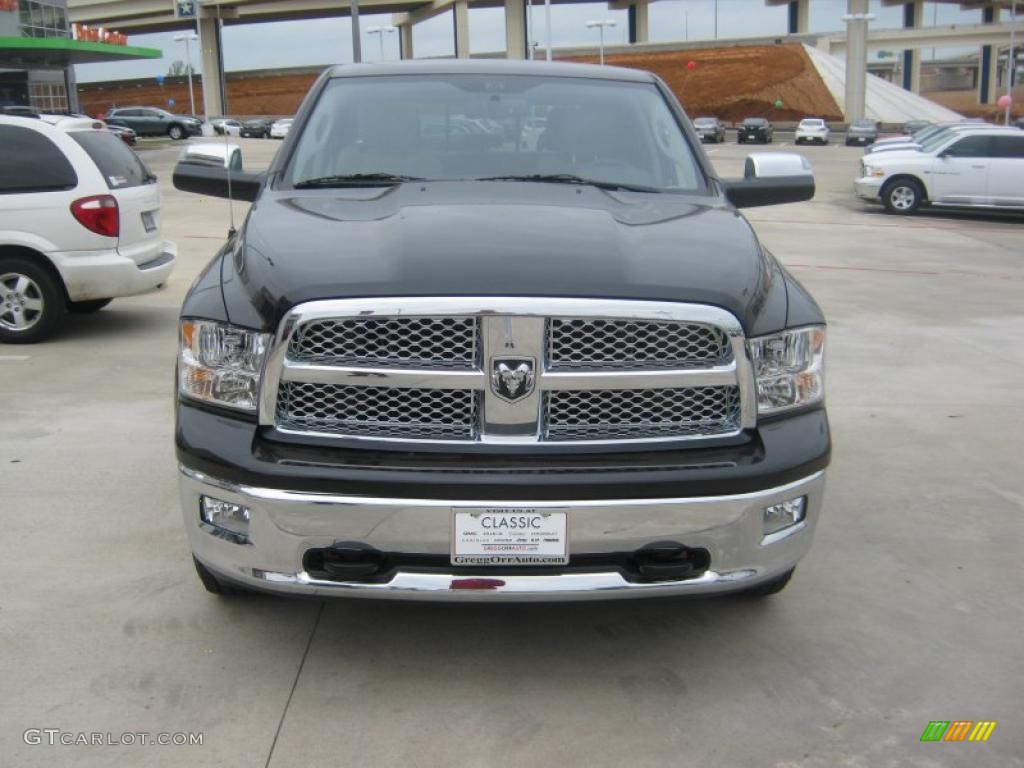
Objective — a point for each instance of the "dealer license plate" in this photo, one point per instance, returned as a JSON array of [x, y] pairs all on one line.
[[504, 536]]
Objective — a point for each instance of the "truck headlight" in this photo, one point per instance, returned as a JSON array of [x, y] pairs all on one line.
[[221, 364], [789, 368], [870, 170]]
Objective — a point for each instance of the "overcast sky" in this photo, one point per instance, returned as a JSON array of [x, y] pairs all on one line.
[[329, 41]]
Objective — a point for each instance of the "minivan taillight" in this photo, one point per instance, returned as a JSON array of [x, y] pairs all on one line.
[[98, 214]]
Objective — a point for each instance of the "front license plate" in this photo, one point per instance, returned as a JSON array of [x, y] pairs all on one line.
[[505, 536], [149, 220]]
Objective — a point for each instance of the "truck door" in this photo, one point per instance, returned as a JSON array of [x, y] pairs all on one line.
[[960, 172]]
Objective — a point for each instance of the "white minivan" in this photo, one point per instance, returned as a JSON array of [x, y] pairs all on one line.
[[980, 167], [79, 224]]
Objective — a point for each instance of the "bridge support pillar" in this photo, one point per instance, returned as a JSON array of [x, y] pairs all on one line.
[[405, 40], [515, 29], [461, 14], [212, 62], [639, 22], [988, 66], [856, 59], [799, 17], [913, 18]]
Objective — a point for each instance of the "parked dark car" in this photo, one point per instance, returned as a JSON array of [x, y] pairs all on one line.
[[756, 129], [127, 135], [709, 129], [862, 132], [257, 128], [1020, 123], [429, 369], [913, 126], [152, 121]]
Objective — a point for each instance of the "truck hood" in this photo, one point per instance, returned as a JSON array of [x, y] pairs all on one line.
[[500, 238]]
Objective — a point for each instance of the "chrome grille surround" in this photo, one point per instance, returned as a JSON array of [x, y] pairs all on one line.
[[607, 343], [645, 396]]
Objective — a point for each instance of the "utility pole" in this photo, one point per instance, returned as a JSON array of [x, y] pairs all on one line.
[[547, 26], [187, 38]]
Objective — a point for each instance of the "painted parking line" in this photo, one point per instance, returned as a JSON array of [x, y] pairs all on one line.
[[13, 358]]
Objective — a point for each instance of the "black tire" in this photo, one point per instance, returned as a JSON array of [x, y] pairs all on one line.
[[30, 298], [772, 587], [176, 132], [214, 585], [87, 307], [902, 197], [266, 134]]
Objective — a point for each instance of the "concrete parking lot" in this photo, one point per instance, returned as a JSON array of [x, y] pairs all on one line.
[[908, 609]]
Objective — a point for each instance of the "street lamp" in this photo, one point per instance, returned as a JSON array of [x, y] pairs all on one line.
[[188, 38], [601, 24], [380, 31], [1011, 64]]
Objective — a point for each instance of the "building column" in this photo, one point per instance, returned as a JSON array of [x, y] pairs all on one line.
[[856, 59], [212, 63], [515, 29], [71, 86], [988, 66], [799, 17], [913, 18], [405, 41], [639, 24], [461, 29]]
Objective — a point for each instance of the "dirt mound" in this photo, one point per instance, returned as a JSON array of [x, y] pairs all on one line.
[[732, 83], [269, 94]]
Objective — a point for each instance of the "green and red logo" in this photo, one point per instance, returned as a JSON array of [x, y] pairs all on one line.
[[958, 730]]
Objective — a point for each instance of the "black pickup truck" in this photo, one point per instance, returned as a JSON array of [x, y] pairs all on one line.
[[429, 366]]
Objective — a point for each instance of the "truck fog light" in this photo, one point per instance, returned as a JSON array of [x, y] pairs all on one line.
[[225, 516], [780, 516]]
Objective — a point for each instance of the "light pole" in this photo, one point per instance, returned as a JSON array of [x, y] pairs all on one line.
[[600, 26], [380, 31], [1011, 65], [547, 26], [187, 38]]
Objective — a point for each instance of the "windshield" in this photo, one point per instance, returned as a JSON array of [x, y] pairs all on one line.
[[477, 126], [812, 123], [755, 121], [936, 140], [705, 121], [868, 124]]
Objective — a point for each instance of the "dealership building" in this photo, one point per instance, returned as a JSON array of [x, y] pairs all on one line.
[[38, 52]]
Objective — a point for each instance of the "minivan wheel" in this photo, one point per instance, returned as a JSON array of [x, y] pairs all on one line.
[[30, 302], [902, 197], [87, 307], [176, 132], [214, 585]]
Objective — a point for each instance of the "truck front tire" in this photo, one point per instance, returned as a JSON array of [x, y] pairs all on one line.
[[902, 196]]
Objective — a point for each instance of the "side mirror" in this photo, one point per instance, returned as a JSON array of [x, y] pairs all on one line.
[[217, 181], [214, 155], [771, 178]]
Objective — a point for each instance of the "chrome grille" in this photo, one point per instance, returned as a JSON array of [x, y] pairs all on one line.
[[605, 414], [413, 414], [389, 341], [598, 344], [429, 369]]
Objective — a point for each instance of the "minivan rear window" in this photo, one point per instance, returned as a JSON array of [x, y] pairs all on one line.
[[30, 162], [121, 168]]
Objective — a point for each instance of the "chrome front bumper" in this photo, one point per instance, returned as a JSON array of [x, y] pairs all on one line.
[[284, 524]]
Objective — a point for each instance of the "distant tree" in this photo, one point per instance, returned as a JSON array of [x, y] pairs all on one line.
[[177, 69]]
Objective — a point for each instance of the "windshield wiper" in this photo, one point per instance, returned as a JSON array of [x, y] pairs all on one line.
[[355, 180], [570, 178]]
